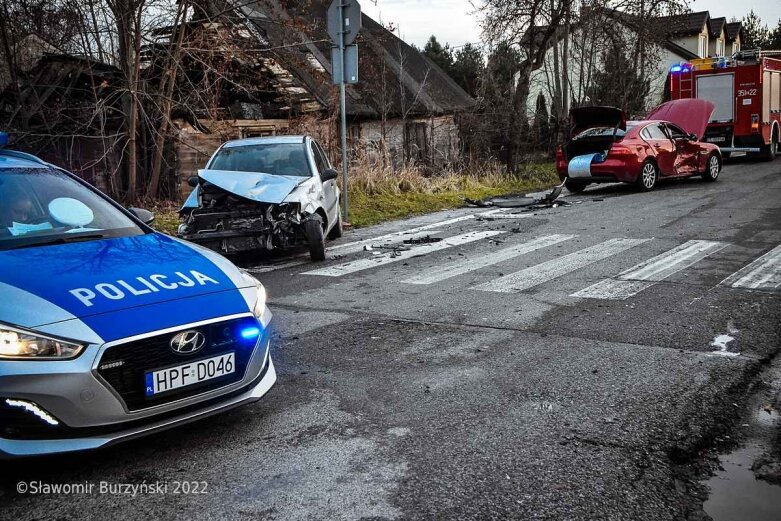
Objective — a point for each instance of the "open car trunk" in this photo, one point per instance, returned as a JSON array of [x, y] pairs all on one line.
[[590, 145], [594, 130]]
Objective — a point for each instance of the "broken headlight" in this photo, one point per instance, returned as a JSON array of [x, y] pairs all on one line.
[[17, 344]]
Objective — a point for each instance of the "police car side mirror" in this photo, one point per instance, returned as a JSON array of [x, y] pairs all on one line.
[[145, 216], [192, 181], [328, 174]]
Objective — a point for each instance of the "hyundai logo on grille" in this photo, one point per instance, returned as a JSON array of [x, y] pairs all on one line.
[[188, 342]]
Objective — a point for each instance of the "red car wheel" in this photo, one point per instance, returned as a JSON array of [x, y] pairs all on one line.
[[649, 174]]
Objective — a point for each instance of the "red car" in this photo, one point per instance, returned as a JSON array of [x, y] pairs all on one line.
[[607, 149]]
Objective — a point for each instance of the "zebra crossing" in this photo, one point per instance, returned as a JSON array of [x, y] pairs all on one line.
[[555, 268], [644, 275], [761, 273], [414, 251], [440, 273]]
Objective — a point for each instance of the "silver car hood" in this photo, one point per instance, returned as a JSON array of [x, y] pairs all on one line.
[[257, 186]]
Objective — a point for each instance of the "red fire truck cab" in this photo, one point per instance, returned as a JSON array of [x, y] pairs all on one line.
[[746, 90]]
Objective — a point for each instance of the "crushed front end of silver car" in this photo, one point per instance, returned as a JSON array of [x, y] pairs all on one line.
[[229, 223], [263, 194]]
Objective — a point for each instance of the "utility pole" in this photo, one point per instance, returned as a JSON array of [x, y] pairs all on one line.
[[344, 22]]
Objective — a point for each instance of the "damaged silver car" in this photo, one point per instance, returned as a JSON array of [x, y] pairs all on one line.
[[262, 194]]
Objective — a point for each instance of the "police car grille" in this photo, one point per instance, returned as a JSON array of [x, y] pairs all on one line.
[[124, 366]]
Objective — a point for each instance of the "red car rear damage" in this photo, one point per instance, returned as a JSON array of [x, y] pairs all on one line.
[[607, 149]]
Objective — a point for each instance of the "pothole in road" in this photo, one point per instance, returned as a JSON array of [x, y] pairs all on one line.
[[736, 492]]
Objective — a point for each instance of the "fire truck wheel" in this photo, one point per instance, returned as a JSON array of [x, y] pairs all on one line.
[[770, 151], [712, 169], [646, 179]]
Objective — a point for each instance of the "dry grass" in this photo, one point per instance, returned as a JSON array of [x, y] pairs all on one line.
[[379, 193]]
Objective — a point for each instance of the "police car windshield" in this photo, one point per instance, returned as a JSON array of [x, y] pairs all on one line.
[[43, 205], [269, 158]]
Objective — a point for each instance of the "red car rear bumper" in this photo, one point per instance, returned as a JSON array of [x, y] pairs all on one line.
[[612, 170]]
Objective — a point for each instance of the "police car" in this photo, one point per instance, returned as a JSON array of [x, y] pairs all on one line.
[[108, 329]]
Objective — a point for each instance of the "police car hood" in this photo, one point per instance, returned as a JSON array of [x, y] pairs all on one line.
[[119, 287]]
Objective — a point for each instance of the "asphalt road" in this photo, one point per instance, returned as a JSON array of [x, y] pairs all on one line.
[[571, 363]]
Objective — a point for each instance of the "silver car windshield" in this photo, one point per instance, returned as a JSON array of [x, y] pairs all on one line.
[[46, 206], [271, 158]]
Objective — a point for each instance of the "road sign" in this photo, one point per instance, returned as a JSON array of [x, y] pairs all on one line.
[[348, 22], [346, 72], [343, 21]]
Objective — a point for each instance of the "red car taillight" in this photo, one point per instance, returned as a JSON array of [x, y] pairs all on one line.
[[620, 150]]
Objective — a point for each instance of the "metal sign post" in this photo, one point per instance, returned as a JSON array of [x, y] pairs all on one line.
[[344, 22]]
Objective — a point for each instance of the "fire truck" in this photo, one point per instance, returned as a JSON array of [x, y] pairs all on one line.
[[746, 89]]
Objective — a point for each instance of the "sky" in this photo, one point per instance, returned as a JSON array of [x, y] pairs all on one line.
[[455, 21]]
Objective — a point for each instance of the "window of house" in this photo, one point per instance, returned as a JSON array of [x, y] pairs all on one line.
[[702, 51], [735, 47], [719, 48]]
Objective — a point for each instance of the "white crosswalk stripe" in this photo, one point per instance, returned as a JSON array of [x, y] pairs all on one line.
[[763, 273], [278, 266], [535, 275], [644, 275], [440, 273], [498, 215], [351, 247], [414, 251]]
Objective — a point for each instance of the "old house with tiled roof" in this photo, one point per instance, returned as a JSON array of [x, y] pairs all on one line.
[[278, 80]]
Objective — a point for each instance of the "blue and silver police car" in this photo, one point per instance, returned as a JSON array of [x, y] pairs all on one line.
[[108, 329]]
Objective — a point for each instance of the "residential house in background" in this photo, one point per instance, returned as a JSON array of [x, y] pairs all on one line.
[[702, 35], [672, 40]]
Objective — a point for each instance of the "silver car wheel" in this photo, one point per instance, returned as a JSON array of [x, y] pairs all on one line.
[[649, 175], [713, 166]]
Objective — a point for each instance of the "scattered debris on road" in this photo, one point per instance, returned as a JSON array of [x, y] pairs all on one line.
[[423, 240], [528, 203]]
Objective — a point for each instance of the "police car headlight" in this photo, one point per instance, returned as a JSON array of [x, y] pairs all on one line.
[[260, 303], [17, 344]]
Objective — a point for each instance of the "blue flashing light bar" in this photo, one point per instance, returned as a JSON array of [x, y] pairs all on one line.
[[676, 68], [250, 332], [3, 139]]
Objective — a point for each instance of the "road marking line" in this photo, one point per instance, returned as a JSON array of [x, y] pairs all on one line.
[[493, 216], [763, 273], [273, 267], [414, 251], [440, 273], [642, 276], [354, 246], [535, 275]]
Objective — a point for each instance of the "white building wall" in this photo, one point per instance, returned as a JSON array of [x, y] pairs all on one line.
[[581, 69]]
